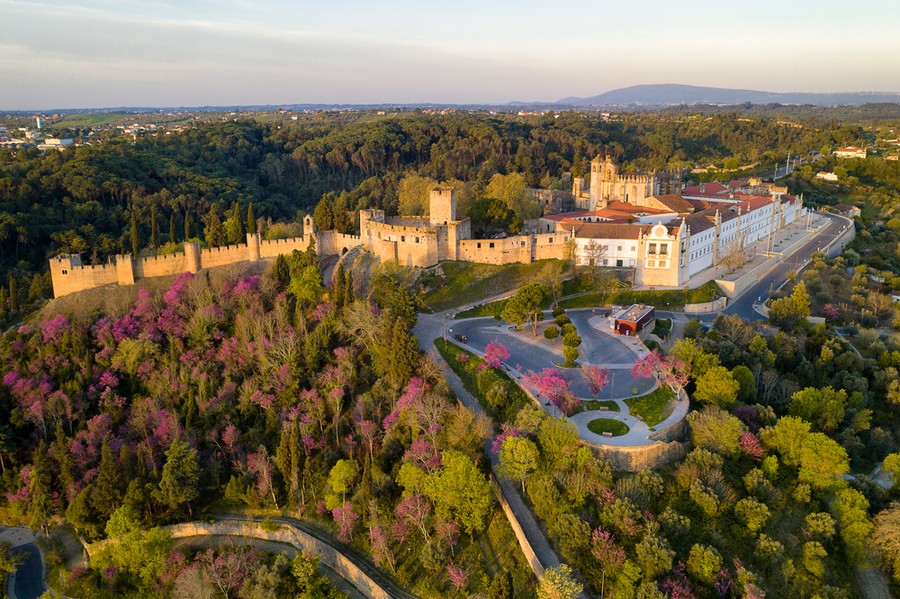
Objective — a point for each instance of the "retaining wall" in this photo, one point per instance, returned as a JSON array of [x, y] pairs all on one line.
[[536, 566], [712, 306], [640, 457], [290, 535]]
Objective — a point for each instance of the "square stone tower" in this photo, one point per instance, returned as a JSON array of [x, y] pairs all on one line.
[[442, 206]]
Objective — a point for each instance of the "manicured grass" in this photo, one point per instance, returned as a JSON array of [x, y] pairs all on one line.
[[674, 299], [596, 405], [608, 425], [650, 407], [465, 282]]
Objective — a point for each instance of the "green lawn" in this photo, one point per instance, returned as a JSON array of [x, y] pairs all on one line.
[[608, 425], [596, 405], [652, 406], [465, 282], [674, 299]]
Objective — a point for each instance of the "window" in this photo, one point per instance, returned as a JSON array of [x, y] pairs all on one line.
[[65, 272], [664, 248], [403, 238], [551, 240], [479, 246], [523, 244], [633, 248], [651, 249], [491, 245], [606, 248], [417, 240]]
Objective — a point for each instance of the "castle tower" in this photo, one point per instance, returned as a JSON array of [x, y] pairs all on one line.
[[192, 257], [60, 268], [253, 247], [309, 225], [442, 206]]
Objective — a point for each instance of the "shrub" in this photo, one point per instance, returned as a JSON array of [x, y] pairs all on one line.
[[570, 354]]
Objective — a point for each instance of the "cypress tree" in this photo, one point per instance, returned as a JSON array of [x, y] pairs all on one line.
[[215, 233], [107, 493], [251, 219], [4, 304], [135, 235], [281, 272], [40, 486], [154, 228], [13, 294], [349, 294], [338, 286], [172, 238], [188, 225]]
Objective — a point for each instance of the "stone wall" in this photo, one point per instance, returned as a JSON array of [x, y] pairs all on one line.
[[640, 457], [536, 566], [159, 266], [712, 306], [553, 201], [285, 533]]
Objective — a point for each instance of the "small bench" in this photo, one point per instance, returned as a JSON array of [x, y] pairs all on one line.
[[607, 434]]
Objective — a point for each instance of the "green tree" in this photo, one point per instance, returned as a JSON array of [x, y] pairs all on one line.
[[559, 583], [180, 479], [214, 231], [491, 216], [9, 562], [459, 490], [823, 408], [716, 429], [704, 563], [654, 557], [307, 286], [511, 190], [342, 477], [172, 231], [281, 272], [82, 516], [106, 494], [235, 230], [746, 381], [188, 226], [338, 286], [251, 219], [752, 513], [717, 386], [413, 195], [40, 490], [154, 227], [886, 540], [822, 461], [787, 438], [500, 588], [135, 235], [790, 313], [571, 355], [551, 332], [518, 458], [525, 306]]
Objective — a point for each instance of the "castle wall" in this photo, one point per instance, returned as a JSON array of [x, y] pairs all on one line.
[[415, 246], [274, 247], [78, 278], [221, 256], [159, 266], [554, 201]]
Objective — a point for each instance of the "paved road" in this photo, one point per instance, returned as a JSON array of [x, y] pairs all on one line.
[[597, 348], [29, 578]]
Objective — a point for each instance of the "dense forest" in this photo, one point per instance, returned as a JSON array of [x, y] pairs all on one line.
[[152, 192]]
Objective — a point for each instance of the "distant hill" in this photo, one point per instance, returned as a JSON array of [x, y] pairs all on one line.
[[668, 94]]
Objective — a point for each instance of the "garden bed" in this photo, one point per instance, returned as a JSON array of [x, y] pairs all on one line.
[[608, 425]]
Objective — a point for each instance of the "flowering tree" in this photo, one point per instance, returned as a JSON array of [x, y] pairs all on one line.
[[458, 576], [494, 354], [551, 384], [596, 378], [345, 518], [667, 370]]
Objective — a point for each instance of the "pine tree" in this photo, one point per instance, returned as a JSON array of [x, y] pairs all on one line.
[[154, 227], [107, 494], [40, 490], [65, 466], [188, 226], [297, 459], [311, 258], [135, 235], [251, 219], [172, 238]]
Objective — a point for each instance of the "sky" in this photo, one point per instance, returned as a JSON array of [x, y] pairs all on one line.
[[108, 53]]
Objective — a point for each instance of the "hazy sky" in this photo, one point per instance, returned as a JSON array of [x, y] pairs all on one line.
[[100, 53]]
